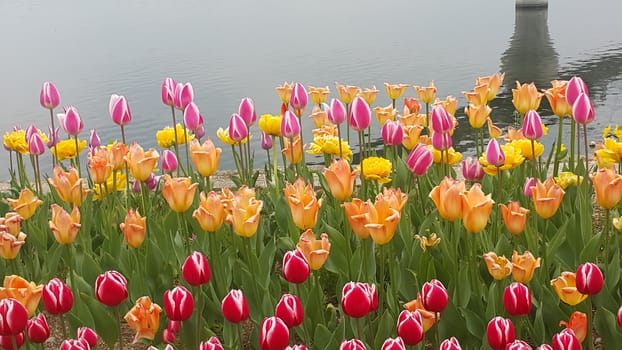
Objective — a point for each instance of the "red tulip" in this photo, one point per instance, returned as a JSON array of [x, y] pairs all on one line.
[[544, 347], [184, 94], [393, 344], [38, 329], [111, 288], [575, 87], [168, 336], [619, 319], [192, 117], [74, 344], [173, 326], [295, 267], [168, 91], [410, 327], [434, 296], [392, 133], [87, 335], [13, 317], [247, 111], [518, 345], [352, 344], [566, 340], [420, 159], [169, 161], [299, 98], [6, 341], [238, 130], [494, 153], [360, 114], [517, 299], [119, 110], [336, 113], [500, 332], [296, 347], [472, 170], [450, 344], [290, 125], [274, 334], [356, 300], [289, 309], [532, 125], [441, 122], [583, 110], [178, 303], [234, 306], [196, 270], [49, 97], [589, 279], [71, 121], [211, 344]]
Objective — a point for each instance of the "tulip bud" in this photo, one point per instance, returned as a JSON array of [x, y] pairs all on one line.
[[544, 347], [49, 97], [200, 131], [529, 183], [57, 297], [169, 161], [38, 329], [295, 267], [289, 309], [434, 296], [299, 98], [178, 303], [518, 345], [212, 344], [234, 306], [196, 270], [517, 299], [566, 340], [392, 133], [494, 153], [238, 130], [87, 335], [420, 159], [356, 300], [583, 110], [441, 122], [274, 334], [336, 113], [532, 125], [94, 140], [71, 121], [119, 110], [266, 141], [13, 317], [192, 116], [619, 318], [6, 341], [173, 326], [589, 279], [441, 141], [53, 137], [575, 87], [360, 114], [290, 125], [296, 347], [111, 288], [472, 170], [410, 327], [168, 337], [168, 91], [450, 344], [393, 344], [247, 111], [352, 344], [184, 94], [36, 146], [74, 344], [500, 332]]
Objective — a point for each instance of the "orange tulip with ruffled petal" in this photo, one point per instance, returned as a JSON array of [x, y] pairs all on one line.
[[144, 318], [211, 212], [245, 212], [514, 217], [382, 220], [315, 250], [11, 222], [141, 163], [11, 245], [578, 324], [523, 266], [27, 293], [134, 228], [69, 186], [526, 97], [179, 192], [447, 198], [356, 212], [607, 187], [340, 179], [303, 203], [499, 267], [205, 157], [63, 225], [566, 288], [547, 197], [26, 204]]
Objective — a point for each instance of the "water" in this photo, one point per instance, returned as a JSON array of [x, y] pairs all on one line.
[[232, 49]]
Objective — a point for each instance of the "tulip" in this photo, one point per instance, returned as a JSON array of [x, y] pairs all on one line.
[[619, 317], [192, 117], [298, 99], [518, 345], [134, 228], [200, 131], [266, 141], [314, 250], [26, 204], [57, 297], [578, 324], [36, 146], [426, 93], [357, 299], [68, 185], [173, 326], [499, 267], [245, 211], [589, 279], [168, 337], [211, 213], [369, 95], [119, 110], [12, 223], [196, 270], [557, 98], [393, 344], [566, 340], [544, 347], [392, 133], [318, 94], [178, 303], [394, 91], [290, 125], [234, 306], [49, 97], [74, 344], [63, 225], [382, 220], [289, 309], [523, 266], [169, 161], [211, 344], [141, 164], [13, 317], [428, 318], [529, 183], [441, 142], [347, 93], [360, 114], [434, 296], [336, 113], [583, 110], [500, 331], [514, 217], [526, 97], [25, 292], [576, 86], [285, 92], [447, 198], [479, 95], [607, 187], [271, 124], [352, 344], [111, 288], [476, 208], [6, 342], [377, 169], [205, 157], [410, 327], [71, 121], [547, 197], [303, 203], [179, 192], [340, 179], [87, 335], [419, 160], [532, 125], [11, 245], [566, 288], [144, 318], [38, 329], [295, 267], [478, 114], [472, 170], [494, 153], [168, 91], [238, 130], [384, 114], [356, 211], [184, 94], [517, 299], [450, 344], [296, 347], [94, 141], [441, 122]]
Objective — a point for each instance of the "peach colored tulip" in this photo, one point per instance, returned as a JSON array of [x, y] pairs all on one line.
[[64, 226], [478, 115], [134, 228], [99, 167], [447, 198], [356, 211], [179, 192], [27, 293], [493, 82], [412, 135], [285, 92], [499, 267], [26, 204], [382, 220], [117, 154], [315, 250], [211, 212], [303, 203], [394, 197], [547, 197], [394, 91], [476, 208], [526, 97], [245, 212], [523, 266], [141, 163], [385, 113], [608, 187], [340, 179], [318, 94], [11, 222], [557, 98], [10, 245], [369, 95], [566, 288], [426, 93], [69, 186], [144, 318], [347, 93], [479, 95], [514, 217], [205, 157], [297, 154]]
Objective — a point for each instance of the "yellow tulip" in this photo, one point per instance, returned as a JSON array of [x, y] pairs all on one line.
[[607, 187], [205, 157], [426, 242], [526, 97], [285, 92], [318, 94], [447, 198], [413, 119], [329, 144], [524, 145], [566, 288], [369, 95], [16, 141], [412, 135], [178, 192], [270, 124], [27, 293], [614, 146], [63, 225], [10, 245], [340, 179], [134, 228], [319, 117], [245, 212], [514, 217], [557, 98], [377, 169], [211, 212], [478, 115], [315, 250], [100, 192], [476, 208], [450, 156], [69, 186], [303, 203], [144, 318], [499, 267], [347, 93], [426, 93], [523, 266], [141, 163], [450, 104], [166, 136], [394, 91], [385, 113], [26, 204], [356, 211], [547, 197], [479, 96], [493, 131]]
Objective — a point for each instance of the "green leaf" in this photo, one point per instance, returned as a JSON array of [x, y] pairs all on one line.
[[474, 323], [386, 325], [105, 323]]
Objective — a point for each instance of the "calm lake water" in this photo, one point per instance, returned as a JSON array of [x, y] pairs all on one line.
[[232, 49]]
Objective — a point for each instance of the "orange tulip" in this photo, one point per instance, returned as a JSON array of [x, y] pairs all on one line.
[[26, 204], [514, 217], [493, 84], [68, 185], [134, 228], [11, 222], [578, 324], [205, 157], [426, 93], [298, 148], [303, 203], [347, 93], [395, 197], [493, 131], [499, 267], [117, 154], [141, 163], [356, 211], [557, 98], [526, 97], [479, 95], [478, 115], [179, 192], [426, 316], [245, 212], [476, 208], [27, 293], [211, 212], [385, 113], [566, 288], [394, 91], [64, 226], [318, 94], [411, 106], [447, 198], [382, 220], [369, 95], [547, 197], [412, 135], [413, 119], [340, 179], [10, 245], [144, 318], [523, 266], [99, 167], [315, 250], [608, 187], [285, 92]]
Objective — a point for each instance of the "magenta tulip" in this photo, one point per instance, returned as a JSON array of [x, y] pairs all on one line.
[[178, 303], [566, 340], [441, 122], [393, 344], [290, 125], [494, 153], [168, 91], [38, 329], [31, 130], [196, 270], [289, 309], [529, 183], [450, 344], [94, 140], [420, 159], [434, 296], [13, 317], [87, 335], [532, 125], [238, 130], [517, 299], [299, 98], [575, 87], [211, 344], [36, 146], [168, 337], [410, 327], [589, 279], [336, 113], [619, 317], [392, 133], [74, 344], [57, 297], [266, 141], [234, 306], [360, 114], [119, 110], [49, 97], [472, 170], [200, 132], [192, 116], [184, 94], [352, 344], [71, 121], [169, 161], [111, 288], [583, 110], [500, 332], [53, 137], [274, 334], [441, 142], [247, 111], [295, 267]]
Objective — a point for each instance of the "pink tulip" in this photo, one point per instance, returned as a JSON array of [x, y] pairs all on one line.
[[211, 344], [31, 130], [57, 297], [38, 329], [517, 299], [49, 97], [566, 340], [290, 125], [518, 345], [441, 141], [575, 87], [295, 267], [71, 121], [74, 344], [247, 111], [336, 113], [87, 335], [450, 344], [420, 159], [266, 141], [192, 116], [441, 122], [53, 137], [529, 183], [238, 130], [583, 109], [532, 125], [589, 279], [299, 97], [472, 170], [352, 344], [94, 140], [119, 110], [111, 288], [200, 132], [184, 94], [168, 91], [169, 161], [410, 327], [358, 299], [500, 332], [13, 317], [494, 153], [360, 114], [392, 133], [36, 146]]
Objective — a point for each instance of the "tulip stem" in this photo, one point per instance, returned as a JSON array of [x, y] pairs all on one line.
[[606, 234], [534, 171], [14, 341], [339, 136], [573, 127], [590, 323], [361, 158], [242, 164], [118, 315], [174, 132], [558, 150], [437, 333], [189, 172], [587, 166], [197, 335], [53, 138], [348, 121], [276, 164], [71, 263]]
